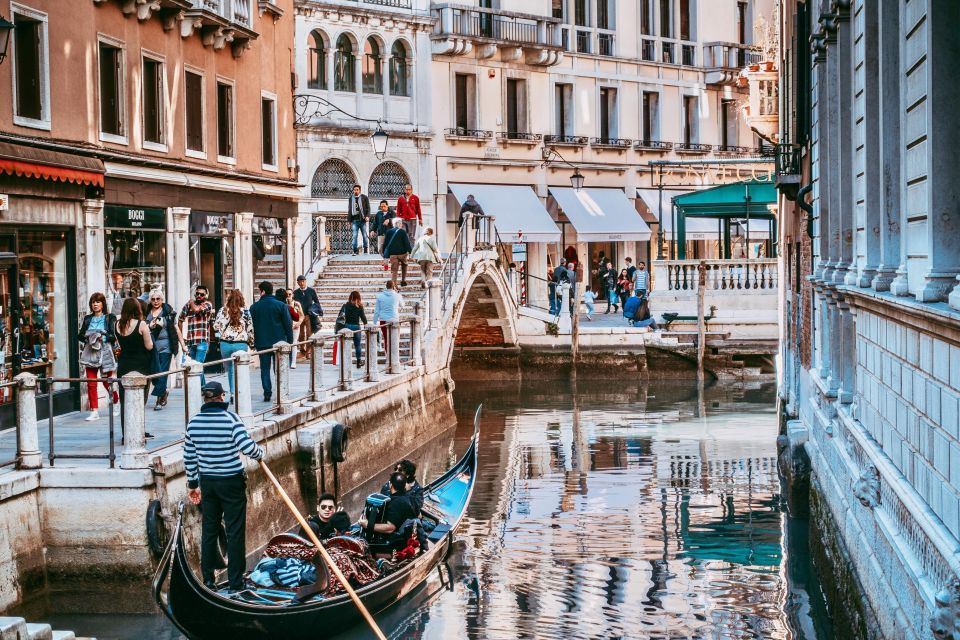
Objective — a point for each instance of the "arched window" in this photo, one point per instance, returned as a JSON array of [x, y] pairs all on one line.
[[386, 182], [372, 68], [316, 62], [398, 70], [333, 179], [344, 65]]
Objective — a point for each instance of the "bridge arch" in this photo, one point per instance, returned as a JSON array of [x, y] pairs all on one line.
[[483, 314]]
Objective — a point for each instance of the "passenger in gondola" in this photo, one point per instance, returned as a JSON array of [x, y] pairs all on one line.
[[414, 491], [399, 510], [328, 522]]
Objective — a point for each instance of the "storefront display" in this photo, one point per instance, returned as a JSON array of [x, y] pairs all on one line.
[[211, 253], [270, 252], [135, 252]]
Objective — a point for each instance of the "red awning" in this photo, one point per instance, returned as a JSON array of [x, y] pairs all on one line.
[[31, 162]]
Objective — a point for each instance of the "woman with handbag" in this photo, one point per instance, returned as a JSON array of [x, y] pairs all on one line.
[[162, 321], [136, 345], [351, 317], [97, 342], [425, 253], [235, 326], [296, 314]]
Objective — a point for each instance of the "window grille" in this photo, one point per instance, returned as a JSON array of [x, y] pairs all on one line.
[[386, 182], [333, 179]]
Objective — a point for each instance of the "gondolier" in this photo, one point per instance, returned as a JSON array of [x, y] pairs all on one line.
[[214, 440]]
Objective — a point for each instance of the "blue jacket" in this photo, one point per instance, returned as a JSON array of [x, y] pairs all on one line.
[[630, 307], [271, 322], [396, 242]]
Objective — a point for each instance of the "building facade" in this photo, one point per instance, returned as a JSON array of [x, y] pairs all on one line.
[[871, 343], [144, 145], [609, 85], [369, 59]]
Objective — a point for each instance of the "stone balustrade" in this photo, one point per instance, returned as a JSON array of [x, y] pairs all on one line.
[[735, 277]]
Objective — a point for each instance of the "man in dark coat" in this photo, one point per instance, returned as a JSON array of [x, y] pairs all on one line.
[[307, 297], [608, 279], [271, 324], [396, 246], [358, 211]]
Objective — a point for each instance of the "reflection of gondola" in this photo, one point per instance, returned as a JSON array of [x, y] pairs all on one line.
[[201, 613]]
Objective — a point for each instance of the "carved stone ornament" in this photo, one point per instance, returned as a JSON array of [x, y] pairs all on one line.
[[867, 488], [945, 621]]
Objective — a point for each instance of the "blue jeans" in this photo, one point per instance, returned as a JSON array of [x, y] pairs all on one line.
[[162, 363], [227, 349], [199, 353], [356, 338], [554, 306], [266, 367], [359, 227]]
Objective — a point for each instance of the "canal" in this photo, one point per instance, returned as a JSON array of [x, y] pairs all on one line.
[[604, 509]]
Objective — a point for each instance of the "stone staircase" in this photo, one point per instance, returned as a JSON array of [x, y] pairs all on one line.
[[20, 629], [363, 273]]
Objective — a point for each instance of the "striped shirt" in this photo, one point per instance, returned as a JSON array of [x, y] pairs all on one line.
[[214, 441], [641, 279]]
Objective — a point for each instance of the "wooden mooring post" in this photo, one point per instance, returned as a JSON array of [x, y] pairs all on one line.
[[701, 322]]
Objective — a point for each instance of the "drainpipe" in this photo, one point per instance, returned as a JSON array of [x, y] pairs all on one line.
[[802, 203]]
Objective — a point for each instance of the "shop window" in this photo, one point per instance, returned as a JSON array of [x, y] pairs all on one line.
[[111, 90], [225, 124], [387, 182], [153, 101], [268, 121], [372, 68], [398, 70], [344, 65], [193, 97], [30, 69], [316, 62], [135, 258], [333, 179]]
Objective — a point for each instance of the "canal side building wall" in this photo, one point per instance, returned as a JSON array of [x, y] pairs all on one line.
[[872, 381]]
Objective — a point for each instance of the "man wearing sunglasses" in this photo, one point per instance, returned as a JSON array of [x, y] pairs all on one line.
[[328, 522], [198, 314]]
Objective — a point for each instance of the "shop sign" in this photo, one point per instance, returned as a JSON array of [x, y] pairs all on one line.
[[210, 223], [4, 202], [519, 251], [134, 217]]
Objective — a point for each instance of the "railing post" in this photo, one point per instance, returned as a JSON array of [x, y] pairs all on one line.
[[370, 335], [469, 234], [489, 236], [346, 376], [321, 235], [134, 454], [282, 357], [416, 328], [28, 439], [393, 353], [244, 401], [433, 302], [317, 360], [192, 390], [565, 322]]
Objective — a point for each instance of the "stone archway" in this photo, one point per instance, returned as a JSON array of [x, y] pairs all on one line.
[[483, 316]]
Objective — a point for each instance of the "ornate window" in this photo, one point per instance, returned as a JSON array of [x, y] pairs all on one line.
[[386, 182], [333, 179], [316, 62], [372, 68], [398, 70], [344, 65]]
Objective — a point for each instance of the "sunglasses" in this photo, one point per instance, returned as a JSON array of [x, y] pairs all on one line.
[[326, 507]]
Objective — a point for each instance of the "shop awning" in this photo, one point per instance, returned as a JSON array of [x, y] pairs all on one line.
[[729, 200], [516, 207], [600, 215], [711, 228], [31, 162]]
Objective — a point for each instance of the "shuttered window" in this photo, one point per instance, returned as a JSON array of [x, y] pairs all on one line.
[[111, 87], [193, 96], [268, 120], [153, 101], [27, 34], [224, 120]]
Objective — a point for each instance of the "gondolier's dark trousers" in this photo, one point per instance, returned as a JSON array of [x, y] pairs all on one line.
[[224, 499]]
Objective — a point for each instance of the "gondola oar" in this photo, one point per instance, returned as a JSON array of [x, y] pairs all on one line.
[[323, 552]]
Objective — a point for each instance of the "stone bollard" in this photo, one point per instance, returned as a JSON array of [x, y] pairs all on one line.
[[373, 372], [192, 389], [28, 439], [433, 302], [346, 375], [321, 236], [134, 454], [282, 362], [416, 330], [468, 233], [565, 322], [243, 402], [491, 237], [317, 359], [393, 354]]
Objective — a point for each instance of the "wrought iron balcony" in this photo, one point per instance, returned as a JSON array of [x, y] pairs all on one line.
[[724, 60], [397, 4], [519, 137], [569, 141], [463, 30], [653, 145], [473, 134], [731, 148], [787, 169], [611, 143], [693, 147]]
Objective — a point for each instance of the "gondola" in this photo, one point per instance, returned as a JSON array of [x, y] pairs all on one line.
[[201, 613]]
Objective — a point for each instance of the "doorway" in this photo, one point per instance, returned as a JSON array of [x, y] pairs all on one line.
[[211, 264]]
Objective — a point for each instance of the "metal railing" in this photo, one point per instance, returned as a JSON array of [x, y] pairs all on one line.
[[52, 455], [648, 50], [316, 242], [688, 55], [787, 160], [519, 136], [461, 132], [658, 145], [621, 143], [397, 4], [452, 266], [565, 140], [511, 27], [15, 460], [697, 147]]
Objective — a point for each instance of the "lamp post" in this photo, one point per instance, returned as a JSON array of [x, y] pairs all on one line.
[[549, 155], [6, 28], [307, 107]]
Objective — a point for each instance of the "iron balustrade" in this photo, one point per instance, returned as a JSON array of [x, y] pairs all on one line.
[[317, 249], [397, 4], [731, 148], [667, 57], [622, 143], [52, 455], [519, 136], [452, 266], [15, 460], [697, 147], [461, 132], [787, 159], [658, 145], [583, 41], [565, 140]]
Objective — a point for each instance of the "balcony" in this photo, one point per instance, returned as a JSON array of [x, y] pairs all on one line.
[[653, 145], [605, 44], [787, 169], [692, 147], [611, 143], [220, 22], [724, 61], [395, 4], [462, 31], [565, 141], [519, 137], [733, 149], [471, 135]]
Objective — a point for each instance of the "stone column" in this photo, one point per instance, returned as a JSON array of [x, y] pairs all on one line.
[[370, 342], [822, 336], [469, 234], [393, 353], [192, 390], [282, 362], [821, 166], [94, 251], [243, 255], [890, 147], [872, 158], [416, 336], [241, 364], [319, 395], [536, 267], [829, 148], [564, 323], [178, 256], [847, 351], [344, 352], [322, 236], [28, 452], [134, 454], [329, 53], [835, 343], [845, 142], [433, 302], [490, 235]]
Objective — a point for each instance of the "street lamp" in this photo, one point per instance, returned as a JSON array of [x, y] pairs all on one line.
[[6, 28], [308, 106], [576, 180], [550, 154]]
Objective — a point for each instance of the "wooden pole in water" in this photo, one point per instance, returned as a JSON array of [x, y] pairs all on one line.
[[575, 324], [701, 323], [323, 552]]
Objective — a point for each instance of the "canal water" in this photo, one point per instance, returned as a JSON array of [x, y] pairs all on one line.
[[603, 509]]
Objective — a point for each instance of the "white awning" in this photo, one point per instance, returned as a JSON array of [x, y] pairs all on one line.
[[516, 207], [697, 228], [600, 215]]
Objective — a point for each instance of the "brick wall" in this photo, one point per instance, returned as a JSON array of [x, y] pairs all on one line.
[[474, 329]]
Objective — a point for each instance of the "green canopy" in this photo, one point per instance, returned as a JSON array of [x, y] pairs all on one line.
[[749, 199]]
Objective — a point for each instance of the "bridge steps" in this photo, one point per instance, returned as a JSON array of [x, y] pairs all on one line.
[[12, 628]]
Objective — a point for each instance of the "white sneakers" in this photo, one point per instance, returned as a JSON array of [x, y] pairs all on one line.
[[293, 365], [94, 415]]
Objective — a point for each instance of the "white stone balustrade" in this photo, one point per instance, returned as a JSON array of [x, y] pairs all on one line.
[[735, 277]]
